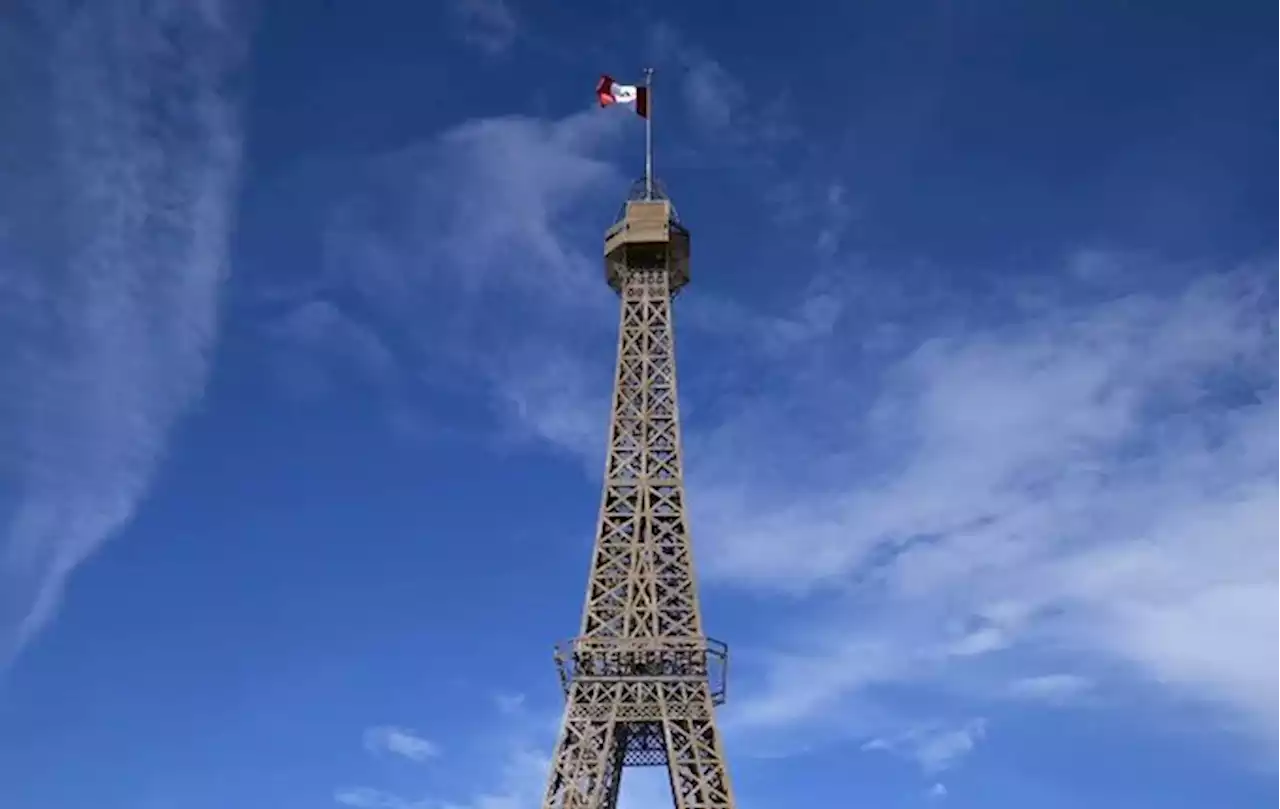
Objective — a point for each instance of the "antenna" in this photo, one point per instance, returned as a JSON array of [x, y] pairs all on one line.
[[648, 134]]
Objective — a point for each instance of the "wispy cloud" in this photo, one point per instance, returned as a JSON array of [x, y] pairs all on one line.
[[113, 234], [546, 393], [718, 102], [490, 25], [753, 130], [1097, 479], [444, 244], [401, 742], [711, 94], [317, 333], [1053, 688], [518, 779], [521, 755], [321, 322], [509, 704], [482, 208], [935, 748], [369, 798]]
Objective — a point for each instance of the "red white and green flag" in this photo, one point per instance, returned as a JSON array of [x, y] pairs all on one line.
[[610, 92]]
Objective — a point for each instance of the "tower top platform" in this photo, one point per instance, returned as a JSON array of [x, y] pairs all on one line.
[[647, 235]]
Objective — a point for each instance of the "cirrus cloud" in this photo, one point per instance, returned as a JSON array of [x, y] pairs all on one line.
[[114, 223], [401, 742]]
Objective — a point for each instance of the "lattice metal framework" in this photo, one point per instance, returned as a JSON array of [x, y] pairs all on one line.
[[641, 680]]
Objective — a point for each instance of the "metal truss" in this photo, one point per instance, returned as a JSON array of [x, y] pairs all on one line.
[[642, 680]]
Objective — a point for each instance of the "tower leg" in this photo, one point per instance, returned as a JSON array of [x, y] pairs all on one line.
[[586, 769], [695, 755], [609, 725]]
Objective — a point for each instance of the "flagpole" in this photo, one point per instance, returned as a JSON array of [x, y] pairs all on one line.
[[648, 135]]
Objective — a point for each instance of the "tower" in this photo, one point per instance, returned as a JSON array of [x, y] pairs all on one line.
[[641, 680]]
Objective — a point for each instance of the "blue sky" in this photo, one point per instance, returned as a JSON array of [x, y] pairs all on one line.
[[305, 352]]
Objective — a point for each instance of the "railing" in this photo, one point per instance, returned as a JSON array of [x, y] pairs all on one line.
[[636, 193], [654, 659]]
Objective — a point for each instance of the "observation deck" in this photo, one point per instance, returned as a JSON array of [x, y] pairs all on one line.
[[647, 235]]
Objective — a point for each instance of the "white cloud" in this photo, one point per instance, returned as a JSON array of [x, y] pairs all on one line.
[[520, 781], [316, 333], [477, 238], [548, 393], [1092, 479], [401, 742], [723, 109], [321, 322], [509, 704], [480, 210], [750, 132], [936, 791], [1053, 688], [837, 214], [490, 25], [516, 782], [711, 94], [367, 798], [934, 749], [521, 750], [828, 667], [115, 244]]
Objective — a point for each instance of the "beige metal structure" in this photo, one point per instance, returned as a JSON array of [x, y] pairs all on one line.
[[641, 680]]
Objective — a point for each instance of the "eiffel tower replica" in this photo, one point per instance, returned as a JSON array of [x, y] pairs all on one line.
[[641, 679]]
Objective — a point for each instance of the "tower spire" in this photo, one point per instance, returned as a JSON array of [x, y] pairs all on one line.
[[641, 680]]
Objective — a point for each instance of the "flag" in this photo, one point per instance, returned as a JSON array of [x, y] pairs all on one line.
[[609, 92]]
